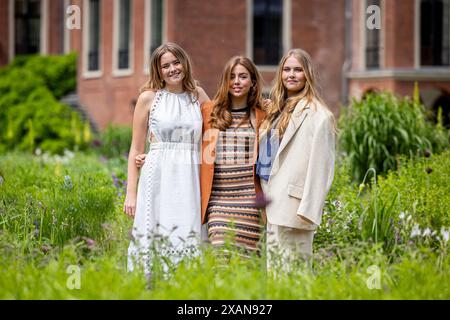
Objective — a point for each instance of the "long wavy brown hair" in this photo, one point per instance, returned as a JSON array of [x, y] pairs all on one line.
[[155, 81], [282, 106], [221, 117]]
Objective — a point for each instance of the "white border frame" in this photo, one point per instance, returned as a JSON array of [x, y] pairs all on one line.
[[66, 32], [44, 27], [116, 72], [286, 32], [147, 31], [86, 73], [43, 34]]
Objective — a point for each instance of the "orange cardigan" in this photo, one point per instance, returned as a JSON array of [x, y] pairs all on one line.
[[210, 137]]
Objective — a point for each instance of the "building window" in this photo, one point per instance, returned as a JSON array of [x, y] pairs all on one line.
[[434, 32], [267, 31], [372, 40], [93, 35], [156, 27], [27, 26], [124, 33]]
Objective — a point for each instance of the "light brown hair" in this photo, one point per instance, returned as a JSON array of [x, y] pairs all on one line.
[[282, 106], [156, 82]]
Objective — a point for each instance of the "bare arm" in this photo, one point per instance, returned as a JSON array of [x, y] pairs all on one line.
[[202, 96], [140, 127]]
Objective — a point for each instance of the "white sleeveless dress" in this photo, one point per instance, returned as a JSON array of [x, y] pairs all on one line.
[[167, 220]]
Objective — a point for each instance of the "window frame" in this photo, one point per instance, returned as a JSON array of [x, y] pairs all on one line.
[[122, 72], [148, 31], [286, 30], [89, 74], [418, 40]]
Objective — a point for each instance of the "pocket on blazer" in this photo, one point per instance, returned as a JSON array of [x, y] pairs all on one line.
[[295, 191]]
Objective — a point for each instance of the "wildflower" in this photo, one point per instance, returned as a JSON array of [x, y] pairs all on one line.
[[361, 187], [96, 143], [68, 182], [89, 242], [261, 201], [445, 234], [38, 151], [401, 216], [68, 154], [426, 232], [103, 159], [45, 248], [415, 231]]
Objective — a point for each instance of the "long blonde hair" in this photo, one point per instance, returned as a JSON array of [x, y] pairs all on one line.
[[282, 106], [155, 81], [221, 117]]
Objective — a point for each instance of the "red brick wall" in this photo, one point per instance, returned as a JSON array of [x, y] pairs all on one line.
[[55, 27], [399, 34], [211, 32], [318, 27], [400, 87], [109, 99]]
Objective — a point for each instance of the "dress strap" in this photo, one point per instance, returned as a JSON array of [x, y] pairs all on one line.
[[151, 122]]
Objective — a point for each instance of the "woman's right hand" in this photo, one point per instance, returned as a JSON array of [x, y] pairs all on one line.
[[140, 160], [129, 207]]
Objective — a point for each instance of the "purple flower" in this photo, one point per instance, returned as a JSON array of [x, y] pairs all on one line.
[[89, 242], [96, 143], [261, 201]]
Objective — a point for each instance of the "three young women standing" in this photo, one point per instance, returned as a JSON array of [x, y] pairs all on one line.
[[295, 163]]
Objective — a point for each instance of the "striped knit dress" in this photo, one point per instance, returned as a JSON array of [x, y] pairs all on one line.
[[232, 215]]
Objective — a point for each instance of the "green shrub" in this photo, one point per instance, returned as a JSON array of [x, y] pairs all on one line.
[[115, 141], [375, 131], [29, 110]]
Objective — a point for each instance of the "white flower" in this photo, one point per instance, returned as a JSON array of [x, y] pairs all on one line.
[[445, 234], [415, 231], [401, 215], [38, 151], [426, 232]]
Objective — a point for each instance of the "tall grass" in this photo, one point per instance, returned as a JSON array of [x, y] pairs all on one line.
[[378, 129], [45, 200]]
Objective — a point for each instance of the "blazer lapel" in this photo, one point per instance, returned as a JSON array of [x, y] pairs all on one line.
[[298, 116]]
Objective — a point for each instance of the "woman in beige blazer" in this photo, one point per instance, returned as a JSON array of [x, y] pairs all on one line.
[[296, 158]]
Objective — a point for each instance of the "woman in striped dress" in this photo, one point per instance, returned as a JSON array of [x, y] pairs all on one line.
[[227, 174]]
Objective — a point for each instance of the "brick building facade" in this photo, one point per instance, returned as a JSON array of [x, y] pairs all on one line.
[[117, 36]]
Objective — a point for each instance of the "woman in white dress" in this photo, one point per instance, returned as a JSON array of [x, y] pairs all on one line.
[[165, 203]]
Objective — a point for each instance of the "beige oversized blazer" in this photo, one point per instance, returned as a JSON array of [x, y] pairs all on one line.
[[303, 169]]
